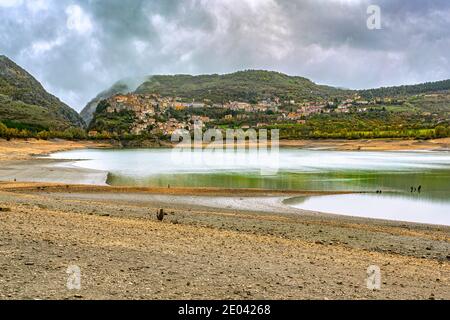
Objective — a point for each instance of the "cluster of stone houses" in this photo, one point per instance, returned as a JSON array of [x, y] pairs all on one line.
[[150, 107], [146, 108], [262, 106], [138, 103], [305, 110], [308, 109]]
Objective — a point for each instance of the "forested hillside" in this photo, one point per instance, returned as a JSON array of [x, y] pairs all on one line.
[[247, 86], [24, 103]]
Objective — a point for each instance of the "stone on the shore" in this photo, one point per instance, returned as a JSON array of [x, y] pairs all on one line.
[[160, 215]]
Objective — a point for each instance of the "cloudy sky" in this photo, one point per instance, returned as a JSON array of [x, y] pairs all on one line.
[[77, 48]]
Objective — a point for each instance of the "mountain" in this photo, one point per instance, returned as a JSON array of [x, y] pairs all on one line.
[[122, 86], [254, 86], [24, 103], [88, 112], [246, 86]]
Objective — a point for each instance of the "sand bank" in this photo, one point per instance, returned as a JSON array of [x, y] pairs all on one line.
[[48, 170]]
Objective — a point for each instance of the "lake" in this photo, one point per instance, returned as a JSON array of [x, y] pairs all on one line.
[[296, 169], [388, 206]]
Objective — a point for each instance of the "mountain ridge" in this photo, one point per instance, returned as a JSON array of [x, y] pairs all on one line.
[[243, 86], [25, 103], [246, 86]]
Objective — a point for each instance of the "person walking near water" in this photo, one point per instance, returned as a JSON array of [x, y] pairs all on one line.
[[419, 189]]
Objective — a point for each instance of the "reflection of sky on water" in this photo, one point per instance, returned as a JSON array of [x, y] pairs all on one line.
[[299, 169], [156, 161], [386, 206]]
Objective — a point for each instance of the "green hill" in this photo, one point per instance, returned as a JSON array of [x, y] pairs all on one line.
[[415, 107], [246, 86], [25, 104], [405, 91]]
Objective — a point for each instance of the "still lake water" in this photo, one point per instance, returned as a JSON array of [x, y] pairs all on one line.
[[393, 172]]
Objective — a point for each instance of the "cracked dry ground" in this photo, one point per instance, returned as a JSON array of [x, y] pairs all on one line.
[[205, 253]]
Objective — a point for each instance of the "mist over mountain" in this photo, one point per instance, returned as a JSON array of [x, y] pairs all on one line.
[[122, 86]]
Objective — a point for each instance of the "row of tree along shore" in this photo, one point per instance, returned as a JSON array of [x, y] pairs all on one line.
[[286, 133]]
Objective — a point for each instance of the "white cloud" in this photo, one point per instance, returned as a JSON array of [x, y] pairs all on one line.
[[10, 3], [79, 47], [78, 20], [41, 47], [36, 6]]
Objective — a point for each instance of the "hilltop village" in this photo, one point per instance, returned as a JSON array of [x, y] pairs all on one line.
[[159, 115]]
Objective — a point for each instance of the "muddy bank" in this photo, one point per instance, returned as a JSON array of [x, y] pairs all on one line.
[[203, 252], [212, 244]]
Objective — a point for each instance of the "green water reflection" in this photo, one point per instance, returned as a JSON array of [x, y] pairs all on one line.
[[435, 183]]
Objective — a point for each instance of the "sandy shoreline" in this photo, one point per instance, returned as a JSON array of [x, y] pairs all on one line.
[[201, 251], [22, 161], [51, 171], [213, 243], [20, 149], [26, 149]]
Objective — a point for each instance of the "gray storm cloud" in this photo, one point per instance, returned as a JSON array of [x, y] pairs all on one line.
[[77, 48]]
